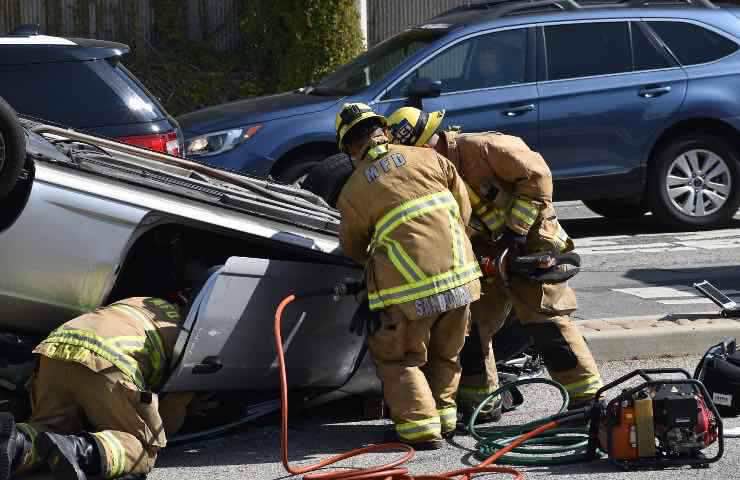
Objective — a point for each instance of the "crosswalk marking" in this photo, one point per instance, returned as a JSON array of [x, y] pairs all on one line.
[[660, 242], [671, 295]]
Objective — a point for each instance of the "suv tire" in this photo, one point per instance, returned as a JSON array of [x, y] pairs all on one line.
[[617, 208], [678, 179], [299, 169], [12, 149]]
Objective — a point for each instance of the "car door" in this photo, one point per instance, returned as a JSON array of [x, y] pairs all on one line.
[[488, 83], [227, 340], [602, 107]]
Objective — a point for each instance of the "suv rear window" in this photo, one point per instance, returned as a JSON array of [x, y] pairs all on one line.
[[692, 44], [80, 94], [587, 49]]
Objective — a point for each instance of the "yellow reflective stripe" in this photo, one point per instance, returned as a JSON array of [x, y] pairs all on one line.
[[31, 457], [377, 151], [448, 418], [494, 219], [156, 353], [524, 211], [420, 429], [584, 388], [458, 251], [100, 346], [403, 262], [428, 287], [561, 238], [116, 454], [412, 209]]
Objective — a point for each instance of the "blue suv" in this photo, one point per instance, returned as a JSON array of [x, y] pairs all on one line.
[[635, 105]]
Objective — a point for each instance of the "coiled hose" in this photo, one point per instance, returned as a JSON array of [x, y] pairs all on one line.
[[393, 470], [557, 446]]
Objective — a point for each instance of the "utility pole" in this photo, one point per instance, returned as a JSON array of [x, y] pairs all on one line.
[[361, 6]]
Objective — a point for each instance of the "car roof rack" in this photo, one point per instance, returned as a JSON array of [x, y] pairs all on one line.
[[505, 7], [650, 3], [26, 30]]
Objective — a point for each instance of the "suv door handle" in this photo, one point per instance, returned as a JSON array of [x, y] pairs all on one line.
[[652, 92], [208, 366], [519, 110]]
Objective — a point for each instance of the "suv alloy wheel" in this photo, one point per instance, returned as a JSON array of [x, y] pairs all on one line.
[[694, 180]]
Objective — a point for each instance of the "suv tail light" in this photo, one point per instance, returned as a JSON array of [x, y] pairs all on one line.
[[159, 142]]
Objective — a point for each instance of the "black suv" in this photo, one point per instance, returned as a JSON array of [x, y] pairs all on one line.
[[81, 83]]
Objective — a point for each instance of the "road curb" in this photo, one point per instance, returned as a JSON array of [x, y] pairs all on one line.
[[636, 338]]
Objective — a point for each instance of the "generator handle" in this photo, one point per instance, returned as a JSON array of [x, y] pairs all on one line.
[[645, 374]]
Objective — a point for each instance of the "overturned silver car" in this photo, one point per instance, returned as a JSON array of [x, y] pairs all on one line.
[[104, 220]]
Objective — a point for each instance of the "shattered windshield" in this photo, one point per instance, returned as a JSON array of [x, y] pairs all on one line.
[[373, 65]]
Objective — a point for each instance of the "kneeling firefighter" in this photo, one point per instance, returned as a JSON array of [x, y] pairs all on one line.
[[404, 211], [94, 412], [511, 190]]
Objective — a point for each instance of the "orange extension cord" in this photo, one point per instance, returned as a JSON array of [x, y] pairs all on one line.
[[389, 471]]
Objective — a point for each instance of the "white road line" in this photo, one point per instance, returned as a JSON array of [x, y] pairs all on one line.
[[632, 249], [686, 301], [655, 292], [713, 244], [708, 235]]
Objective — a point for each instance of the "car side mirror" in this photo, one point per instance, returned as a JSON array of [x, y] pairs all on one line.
[[423, 88]]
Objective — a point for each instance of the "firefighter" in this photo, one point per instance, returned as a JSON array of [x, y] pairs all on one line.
[[511, 190], [404, 212], [94, 412]]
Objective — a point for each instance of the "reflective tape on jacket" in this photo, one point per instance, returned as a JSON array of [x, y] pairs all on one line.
[[525, 212], [153, 346], [561, 238], [419, 284], [103, 347]]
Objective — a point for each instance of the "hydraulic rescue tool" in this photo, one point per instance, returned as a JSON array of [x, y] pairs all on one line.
[[659, 423]]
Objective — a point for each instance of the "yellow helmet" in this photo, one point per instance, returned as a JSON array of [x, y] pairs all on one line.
[[411, 126], [350, 115]]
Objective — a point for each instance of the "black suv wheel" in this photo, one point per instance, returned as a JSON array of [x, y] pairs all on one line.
[[694, 182], [12, 149]]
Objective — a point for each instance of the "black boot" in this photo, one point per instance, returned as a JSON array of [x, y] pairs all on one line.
[[70, 457], [13, 446]]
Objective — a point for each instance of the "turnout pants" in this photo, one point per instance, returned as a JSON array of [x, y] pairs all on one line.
[[69, 398], [543, 311], [417, 362]]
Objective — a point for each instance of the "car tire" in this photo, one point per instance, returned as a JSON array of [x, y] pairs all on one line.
[[298, 170], [328, 177], [617, 208], [12, 148], [682, 193]]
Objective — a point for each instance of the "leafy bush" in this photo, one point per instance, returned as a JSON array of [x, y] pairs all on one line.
[[293, 43], [285, 44]]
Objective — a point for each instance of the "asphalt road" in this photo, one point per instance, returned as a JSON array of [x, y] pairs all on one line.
[[254, 453], [634, 267]]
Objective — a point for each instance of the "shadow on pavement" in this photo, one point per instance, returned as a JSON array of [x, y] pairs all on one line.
[[600, 226], [660, 276]]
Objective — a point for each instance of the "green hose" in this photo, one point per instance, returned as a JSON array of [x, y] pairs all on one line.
[[555, 447]]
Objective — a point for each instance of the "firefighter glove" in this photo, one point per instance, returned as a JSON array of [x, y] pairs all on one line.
[[516, 243]]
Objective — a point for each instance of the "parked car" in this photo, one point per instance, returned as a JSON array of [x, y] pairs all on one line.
[[634, 104], [82, 83]]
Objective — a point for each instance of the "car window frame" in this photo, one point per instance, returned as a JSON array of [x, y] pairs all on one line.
[[530, 72], [646, 21], [542, 73]]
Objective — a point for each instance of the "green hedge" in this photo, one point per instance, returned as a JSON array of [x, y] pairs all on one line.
[[285, 44], [296, 42]]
